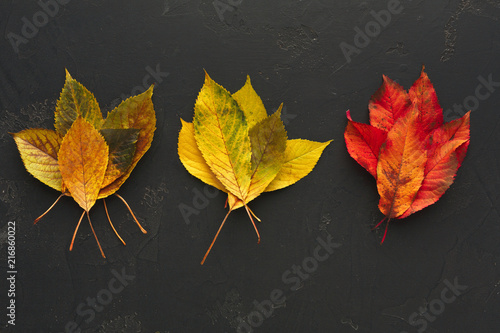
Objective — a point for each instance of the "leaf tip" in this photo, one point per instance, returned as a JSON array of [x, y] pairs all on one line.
[[68, 75], [348, 114]]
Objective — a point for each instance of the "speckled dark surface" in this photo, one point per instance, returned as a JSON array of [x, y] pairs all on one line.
[[291, 50]]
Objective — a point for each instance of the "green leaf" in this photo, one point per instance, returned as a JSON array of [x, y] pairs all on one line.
[[268, 140], [121, 144], [75, 100], [135, 112]]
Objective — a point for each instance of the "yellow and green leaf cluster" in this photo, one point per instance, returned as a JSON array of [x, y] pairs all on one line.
[[233, 145], [88, 157]]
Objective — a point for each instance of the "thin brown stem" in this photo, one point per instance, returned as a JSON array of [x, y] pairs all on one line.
[[254, 226], [39, 217], [130, 210], [76, 230], [93, 231], [216, 235], [111, 223], [253, 214]]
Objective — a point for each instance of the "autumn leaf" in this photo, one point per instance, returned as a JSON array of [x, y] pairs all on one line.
[[221, 132], [236, 147], [75, 101], [413, 156], [121, 144], [88, 157], [389, 103], [299, 160], [83, 158], [39, 148], [135, 112]]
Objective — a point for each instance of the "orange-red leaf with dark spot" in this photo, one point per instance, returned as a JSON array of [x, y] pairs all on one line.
[[415, 156]]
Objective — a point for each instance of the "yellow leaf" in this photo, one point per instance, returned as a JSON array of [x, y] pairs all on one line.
[[268, 140], [221, 133], [300, 158], [250, 103], [136, 112], [83, 158], [191, 157], [234, 146], [38, 149], [76, 100]]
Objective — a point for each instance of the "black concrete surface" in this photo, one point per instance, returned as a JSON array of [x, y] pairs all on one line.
[[437, 270]]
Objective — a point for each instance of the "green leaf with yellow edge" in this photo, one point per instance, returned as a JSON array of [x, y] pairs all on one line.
[[135, 112], [121, 144], [38, 148], [83, 158], [234, 146], [221, 132], [300, 158], [191, 157], [250, 103], [268, 140], [75, 100]]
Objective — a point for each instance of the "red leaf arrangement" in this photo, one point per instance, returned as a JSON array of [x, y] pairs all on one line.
[[412, 154]]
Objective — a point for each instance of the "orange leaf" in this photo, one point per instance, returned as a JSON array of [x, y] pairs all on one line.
[[442, 164], [83, 158], [400, 169]]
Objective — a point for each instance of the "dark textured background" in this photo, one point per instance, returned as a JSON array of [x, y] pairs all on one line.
[[291, 51]]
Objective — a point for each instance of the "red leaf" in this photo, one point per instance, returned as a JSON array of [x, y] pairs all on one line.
[[422, 94], [363, 143], [389, 103], [443, 162], [407, 148]]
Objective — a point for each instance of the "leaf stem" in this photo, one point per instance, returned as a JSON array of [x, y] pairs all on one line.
[[91, 227], [216, 235], [130, 210], [385, 232], [254, 226], [378, 224], [253, 214], [109, 219], [52, 206], [76, 230]]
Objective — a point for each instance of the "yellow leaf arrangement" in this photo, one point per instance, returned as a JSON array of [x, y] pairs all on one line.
[[233, 145]]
